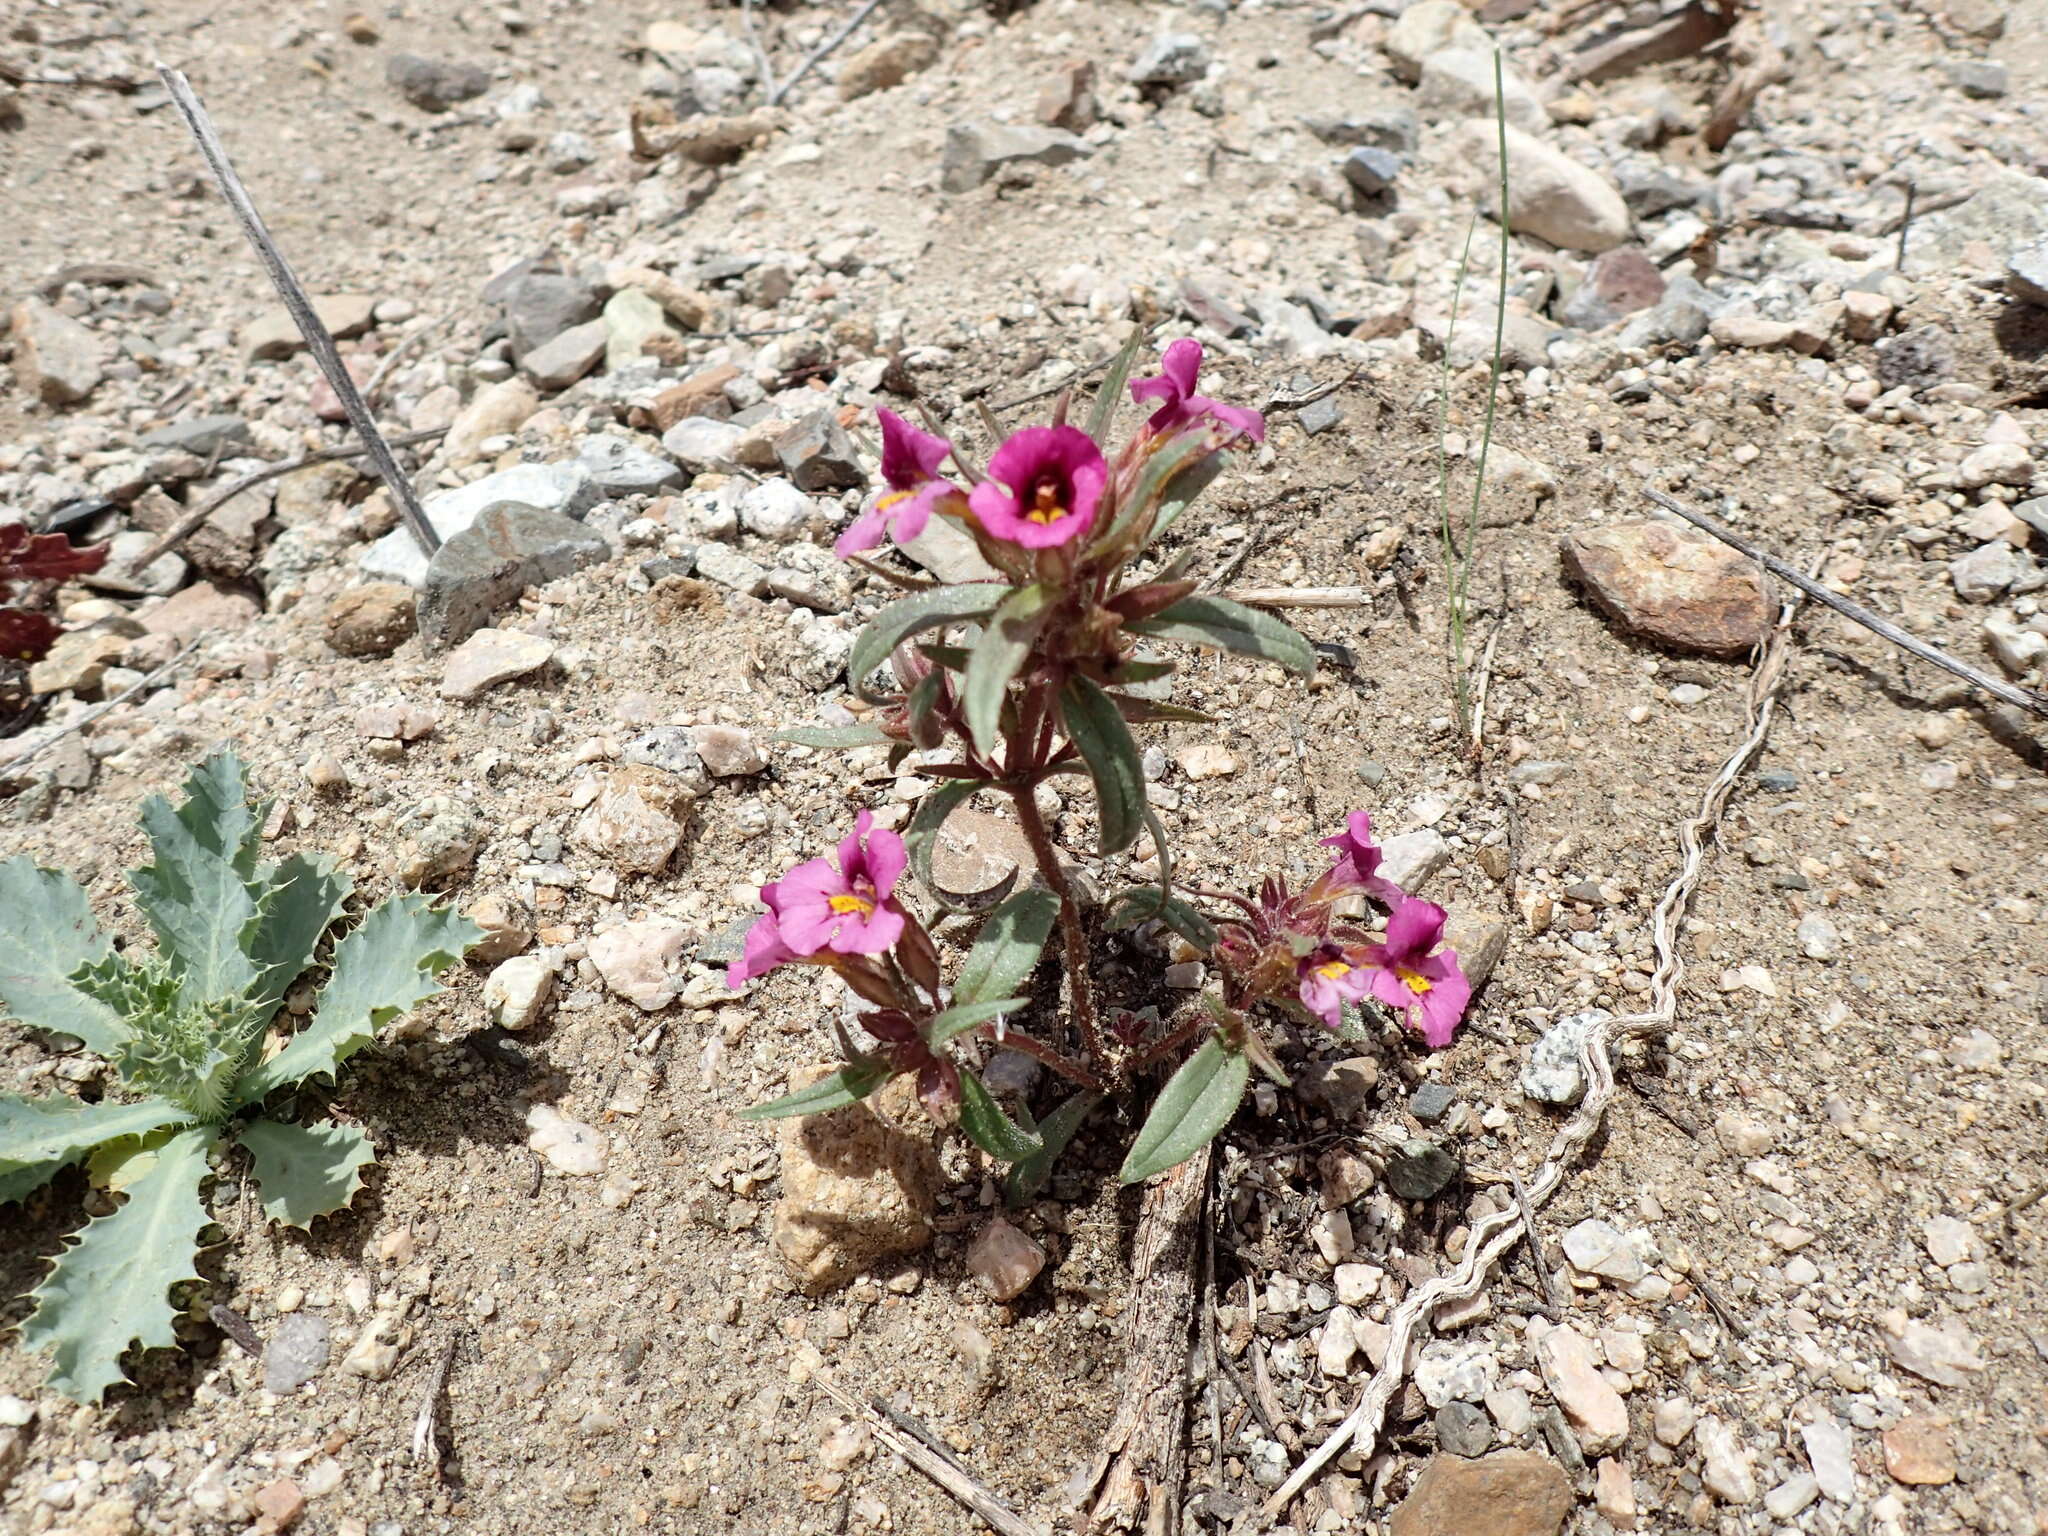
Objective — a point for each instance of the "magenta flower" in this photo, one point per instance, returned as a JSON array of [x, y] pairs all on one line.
[[1174, 385], [1043, 487], [848, 910], [1331, 976], [1358, 861], [910, 467], [764, 949], [1407, 977]]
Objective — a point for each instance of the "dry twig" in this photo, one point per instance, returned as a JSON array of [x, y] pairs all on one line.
[[11, 766], [425, 1446], [946, 1471], [1301, 597], [819, 53], [301, 308]]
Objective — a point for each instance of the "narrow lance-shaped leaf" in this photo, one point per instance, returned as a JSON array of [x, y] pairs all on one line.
[[849, 1085], [1129, 908], [1091, 720], [1230, 626], [384, 967], [962, 1017], [982, 1118], [1195, 1104], [38, 1137], [46, 933], [913, 616], [1103, 411], [1180, 492], [1004, 644], [304, 1171], [1007, 950], [111, 1287], [1054, 1132], [1164, 463]]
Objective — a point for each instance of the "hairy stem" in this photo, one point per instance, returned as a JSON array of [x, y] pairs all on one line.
[[1081, 998], [1038, 1050]]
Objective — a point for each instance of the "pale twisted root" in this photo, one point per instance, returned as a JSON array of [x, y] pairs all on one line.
[[1494, 1234]]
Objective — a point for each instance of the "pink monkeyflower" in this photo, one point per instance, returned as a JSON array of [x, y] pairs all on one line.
[[1174, 386], [1331, 976], [1043, 487], [1407, 977], [910, 467], [764, 949], [1358, 861], [848, 910]]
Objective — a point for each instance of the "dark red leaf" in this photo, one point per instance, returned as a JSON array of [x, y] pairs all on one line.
[[25, 636], [26, 556]]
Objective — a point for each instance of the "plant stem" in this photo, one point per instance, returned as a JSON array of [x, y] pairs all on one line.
[[1038, 1050], [1081, 998]]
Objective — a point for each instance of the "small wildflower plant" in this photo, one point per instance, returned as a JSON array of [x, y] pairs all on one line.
[[188, 1030], [1038, 675]]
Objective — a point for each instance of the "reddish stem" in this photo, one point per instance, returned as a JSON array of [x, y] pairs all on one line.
[[1076, 940], [1038, 1050]]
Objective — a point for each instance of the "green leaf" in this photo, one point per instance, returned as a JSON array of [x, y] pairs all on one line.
[[1183, 488], [38, 1137], [1159, 468], [46, 933], [1111, 395], [1004, 644], [305, 1171], [1140, 903], [1153, 711], [1009, 945], [962, 1017], [913, 616], [1195, 1104], [1205, 620], [110, 1287], [218, 815], [1027, 1177], [863, 735], [306, 896], [849, 1085], [1098, 732], [385, 966], [982, 1118], [200, 905], [938, 803]]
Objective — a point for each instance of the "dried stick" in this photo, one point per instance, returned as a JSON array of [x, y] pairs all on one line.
[[15, 764], [301, 308], [392, 357], [1534, 1238], [191, 522], [1136, 1482], [817, 54], [760, 53], [424, 1445], [1302, 597], [1996, 687], [943, 1470], [1494, 1234]]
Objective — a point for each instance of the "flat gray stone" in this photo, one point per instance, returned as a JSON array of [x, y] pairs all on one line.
[[2026, 274], [567, 487], [435, 85], [1552, 1074], [505, 550], [202, 435], [1172, 58], [975, 151], [56, 358], [297, 1352], [623, 468], [561, 360], [730, 568], [817, 455], [700, 443]]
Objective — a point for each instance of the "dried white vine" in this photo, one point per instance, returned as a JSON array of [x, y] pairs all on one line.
[[1493, 1235]]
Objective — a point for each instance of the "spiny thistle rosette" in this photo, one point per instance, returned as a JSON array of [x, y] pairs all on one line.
[[1013, 682], [188, 1031]]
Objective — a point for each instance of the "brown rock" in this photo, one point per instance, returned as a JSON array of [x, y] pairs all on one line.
[[56, 359], [1479, 940], [701, 394], [1343, 1088], [498, 409], [855, 1189], [1510, 1493], [305, 495], [1626, 279], [637, 819], [1068, 100], [1004, 1260], [1672, 586], [201, 609], [976, 850], [280, 1503], [223, 547], [707, 140], [77, 662], [325, 403], [1918, 1451], [372, 621], [885, 63]]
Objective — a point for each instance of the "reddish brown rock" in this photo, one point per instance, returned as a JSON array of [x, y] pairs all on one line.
[[200, 610], [1626, 279], [1672, 586], [1510, 1493], [372, 620], [701, 394], [855, 1189], [1918, 1451]]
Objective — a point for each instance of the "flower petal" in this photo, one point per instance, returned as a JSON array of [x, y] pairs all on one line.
[[1413, 930], [909, 457], [762, 951], [864, 532]]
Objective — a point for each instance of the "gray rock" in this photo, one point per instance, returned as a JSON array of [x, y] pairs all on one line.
[[1977, 77], [1421, 1171], [975, 151], [1431, 1102], [1372, 170], [1410, 858], [540, 305], [567, 488], [699, 443], [56, 358], [202, 435], [1458, 82], [297, 1352], [2008, 208], [1398, 130], [507, 548], [1173, 58], [1649, 192], [1596, 1247], [730, 568], [1552, 1074], [561, 360], [435, 85], [776, 510], [667, 747], [1319, 416], [949, 552], [1550, 195], [2026, 273], [1916, 359], [1463, 1429], [1986, 571], [817, 455], [623, 468]]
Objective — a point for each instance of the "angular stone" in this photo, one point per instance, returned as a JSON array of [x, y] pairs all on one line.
[[621, 467], [508, 548], [977, 850], [727, 751], [565, 487], [817, 455], [776, 510], [1597, 1248], [701, 394], [949, 552], [1996, 464], [703, 140], [1458, 82], [731, 569], [56, 359], [1672, 586], [438, 840], [1727, 1471], [1950, 1241], [1987, 571], [296, 1353], [279, 1502], [1422, 1170], [855, 1189], [1510, 1493], [517, 990], [1372, 170], [435, 85], [540, 304], [1004, 1260], [1427, 27], [632, 319], [273, 335], [1479, 941], [699, 443], [1550, 195], [498, 410], [1552, 1074], [887, 62], [505, 929], [1172, 58], [1343, 1089], [1946, 1356], [2026, 274], [200, 610], [561, 360], [1832, 1457], [975, 151], [490, 657], [1598, 1416], [638, 960], [1618, 283], [1614, 1494], [637, 819], [371, 620], [206, 436], [1410, 858], [570, 1146], [77, 662], [1068, 99], [1920, 1452], [1463, 1429]]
